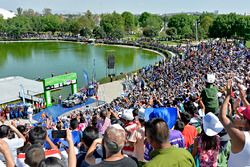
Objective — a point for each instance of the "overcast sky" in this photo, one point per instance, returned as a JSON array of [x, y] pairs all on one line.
[[134, 6]]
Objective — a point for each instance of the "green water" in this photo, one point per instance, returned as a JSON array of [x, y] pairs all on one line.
[[39, 59]]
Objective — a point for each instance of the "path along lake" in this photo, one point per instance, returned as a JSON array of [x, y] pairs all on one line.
[[40, 59]]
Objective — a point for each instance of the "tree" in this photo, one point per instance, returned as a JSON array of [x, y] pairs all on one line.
[[87, 20], [224, 26], [37, 24], [172, 32], [206, 21], [150, 32], [29, 13], [18, 26], [99, 33], [155, 22], [52, 23], [117, 34], [242, 25], [165, 19], [72, 25], [19, 11], [2, 25], [47, 11], [129, 21], [143, 19], [112, 23], [183, 23], [85, 32]]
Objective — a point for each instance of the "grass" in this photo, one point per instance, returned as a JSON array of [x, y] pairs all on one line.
[[248, 44]]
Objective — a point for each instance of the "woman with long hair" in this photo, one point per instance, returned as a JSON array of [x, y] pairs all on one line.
[[207, 144]]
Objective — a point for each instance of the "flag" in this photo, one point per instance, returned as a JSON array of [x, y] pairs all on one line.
[[85, 77], [169, 115]]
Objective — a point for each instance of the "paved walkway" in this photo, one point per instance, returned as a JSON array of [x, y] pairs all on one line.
[[109, 91]]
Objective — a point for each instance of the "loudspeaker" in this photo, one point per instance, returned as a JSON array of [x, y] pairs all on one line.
[[111, 62]]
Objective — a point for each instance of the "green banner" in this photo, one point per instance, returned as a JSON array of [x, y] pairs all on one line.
[[48, 99], [61, 80], [57, 82]]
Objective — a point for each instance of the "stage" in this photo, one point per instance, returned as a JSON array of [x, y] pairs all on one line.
[[57, 110]]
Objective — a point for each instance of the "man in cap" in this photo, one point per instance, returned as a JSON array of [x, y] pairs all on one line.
[[130, 126], [113, 141], [138, 137], [209, 95]]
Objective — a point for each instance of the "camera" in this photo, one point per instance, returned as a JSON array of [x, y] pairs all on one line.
[[58, 134]]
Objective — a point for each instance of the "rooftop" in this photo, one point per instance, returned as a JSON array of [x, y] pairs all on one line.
[[11, 86], [7, 14]]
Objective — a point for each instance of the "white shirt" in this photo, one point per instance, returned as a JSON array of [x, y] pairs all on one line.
[[241, 159], [13, 144]]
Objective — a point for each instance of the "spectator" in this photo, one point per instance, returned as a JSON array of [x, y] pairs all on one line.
[[189, 132], [89, 135], [130, 126], [13, 143], [38, 135], [113, 142], [209, 95], [53, 161], [138, 138], [76, 134], [175, 136], [157, 134], [34, 155], [103, 122], [5, 151], [207, 145], [240, 140]]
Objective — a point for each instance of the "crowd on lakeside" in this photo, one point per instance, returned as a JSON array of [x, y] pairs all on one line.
[[192, 110]]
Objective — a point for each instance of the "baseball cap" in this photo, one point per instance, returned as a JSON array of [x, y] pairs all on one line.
[[127, 115], [246, 112]]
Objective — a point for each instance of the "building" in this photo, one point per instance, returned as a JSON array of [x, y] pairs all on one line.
[[7, 14]]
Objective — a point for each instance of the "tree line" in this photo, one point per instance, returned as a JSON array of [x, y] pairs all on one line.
[[116, 26]]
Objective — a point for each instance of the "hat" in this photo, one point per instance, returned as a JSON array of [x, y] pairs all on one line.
[[141, 113], [169, 115], [127, 115], [210, 78], [246, 112], [211, 124], [241, 109]]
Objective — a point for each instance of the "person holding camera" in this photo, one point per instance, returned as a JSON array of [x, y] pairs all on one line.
[[6, 134], [113, 141]]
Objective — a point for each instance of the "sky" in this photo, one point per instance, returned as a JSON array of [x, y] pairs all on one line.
[[134, 6]]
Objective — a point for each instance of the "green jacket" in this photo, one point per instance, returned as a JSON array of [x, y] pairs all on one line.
[[171, 157], [210, 98]]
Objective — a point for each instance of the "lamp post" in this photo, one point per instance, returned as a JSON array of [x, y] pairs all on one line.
[[196, 30]]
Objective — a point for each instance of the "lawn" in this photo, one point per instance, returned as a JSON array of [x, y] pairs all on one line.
[[248, 44]]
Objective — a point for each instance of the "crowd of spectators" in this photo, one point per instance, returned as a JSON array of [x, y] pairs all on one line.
[[207, 86]]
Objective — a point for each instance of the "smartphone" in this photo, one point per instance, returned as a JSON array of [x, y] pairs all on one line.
[[58, 134]]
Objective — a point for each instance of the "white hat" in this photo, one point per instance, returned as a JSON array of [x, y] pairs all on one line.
[[127, 115], [141, 113], [211, 124], [210, 78]]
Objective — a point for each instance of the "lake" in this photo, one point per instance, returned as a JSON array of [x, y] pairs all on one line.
[[40, 59]]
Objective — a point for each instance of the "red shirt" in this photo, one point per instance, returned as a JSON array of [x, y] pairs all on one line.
[[189, 132]]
